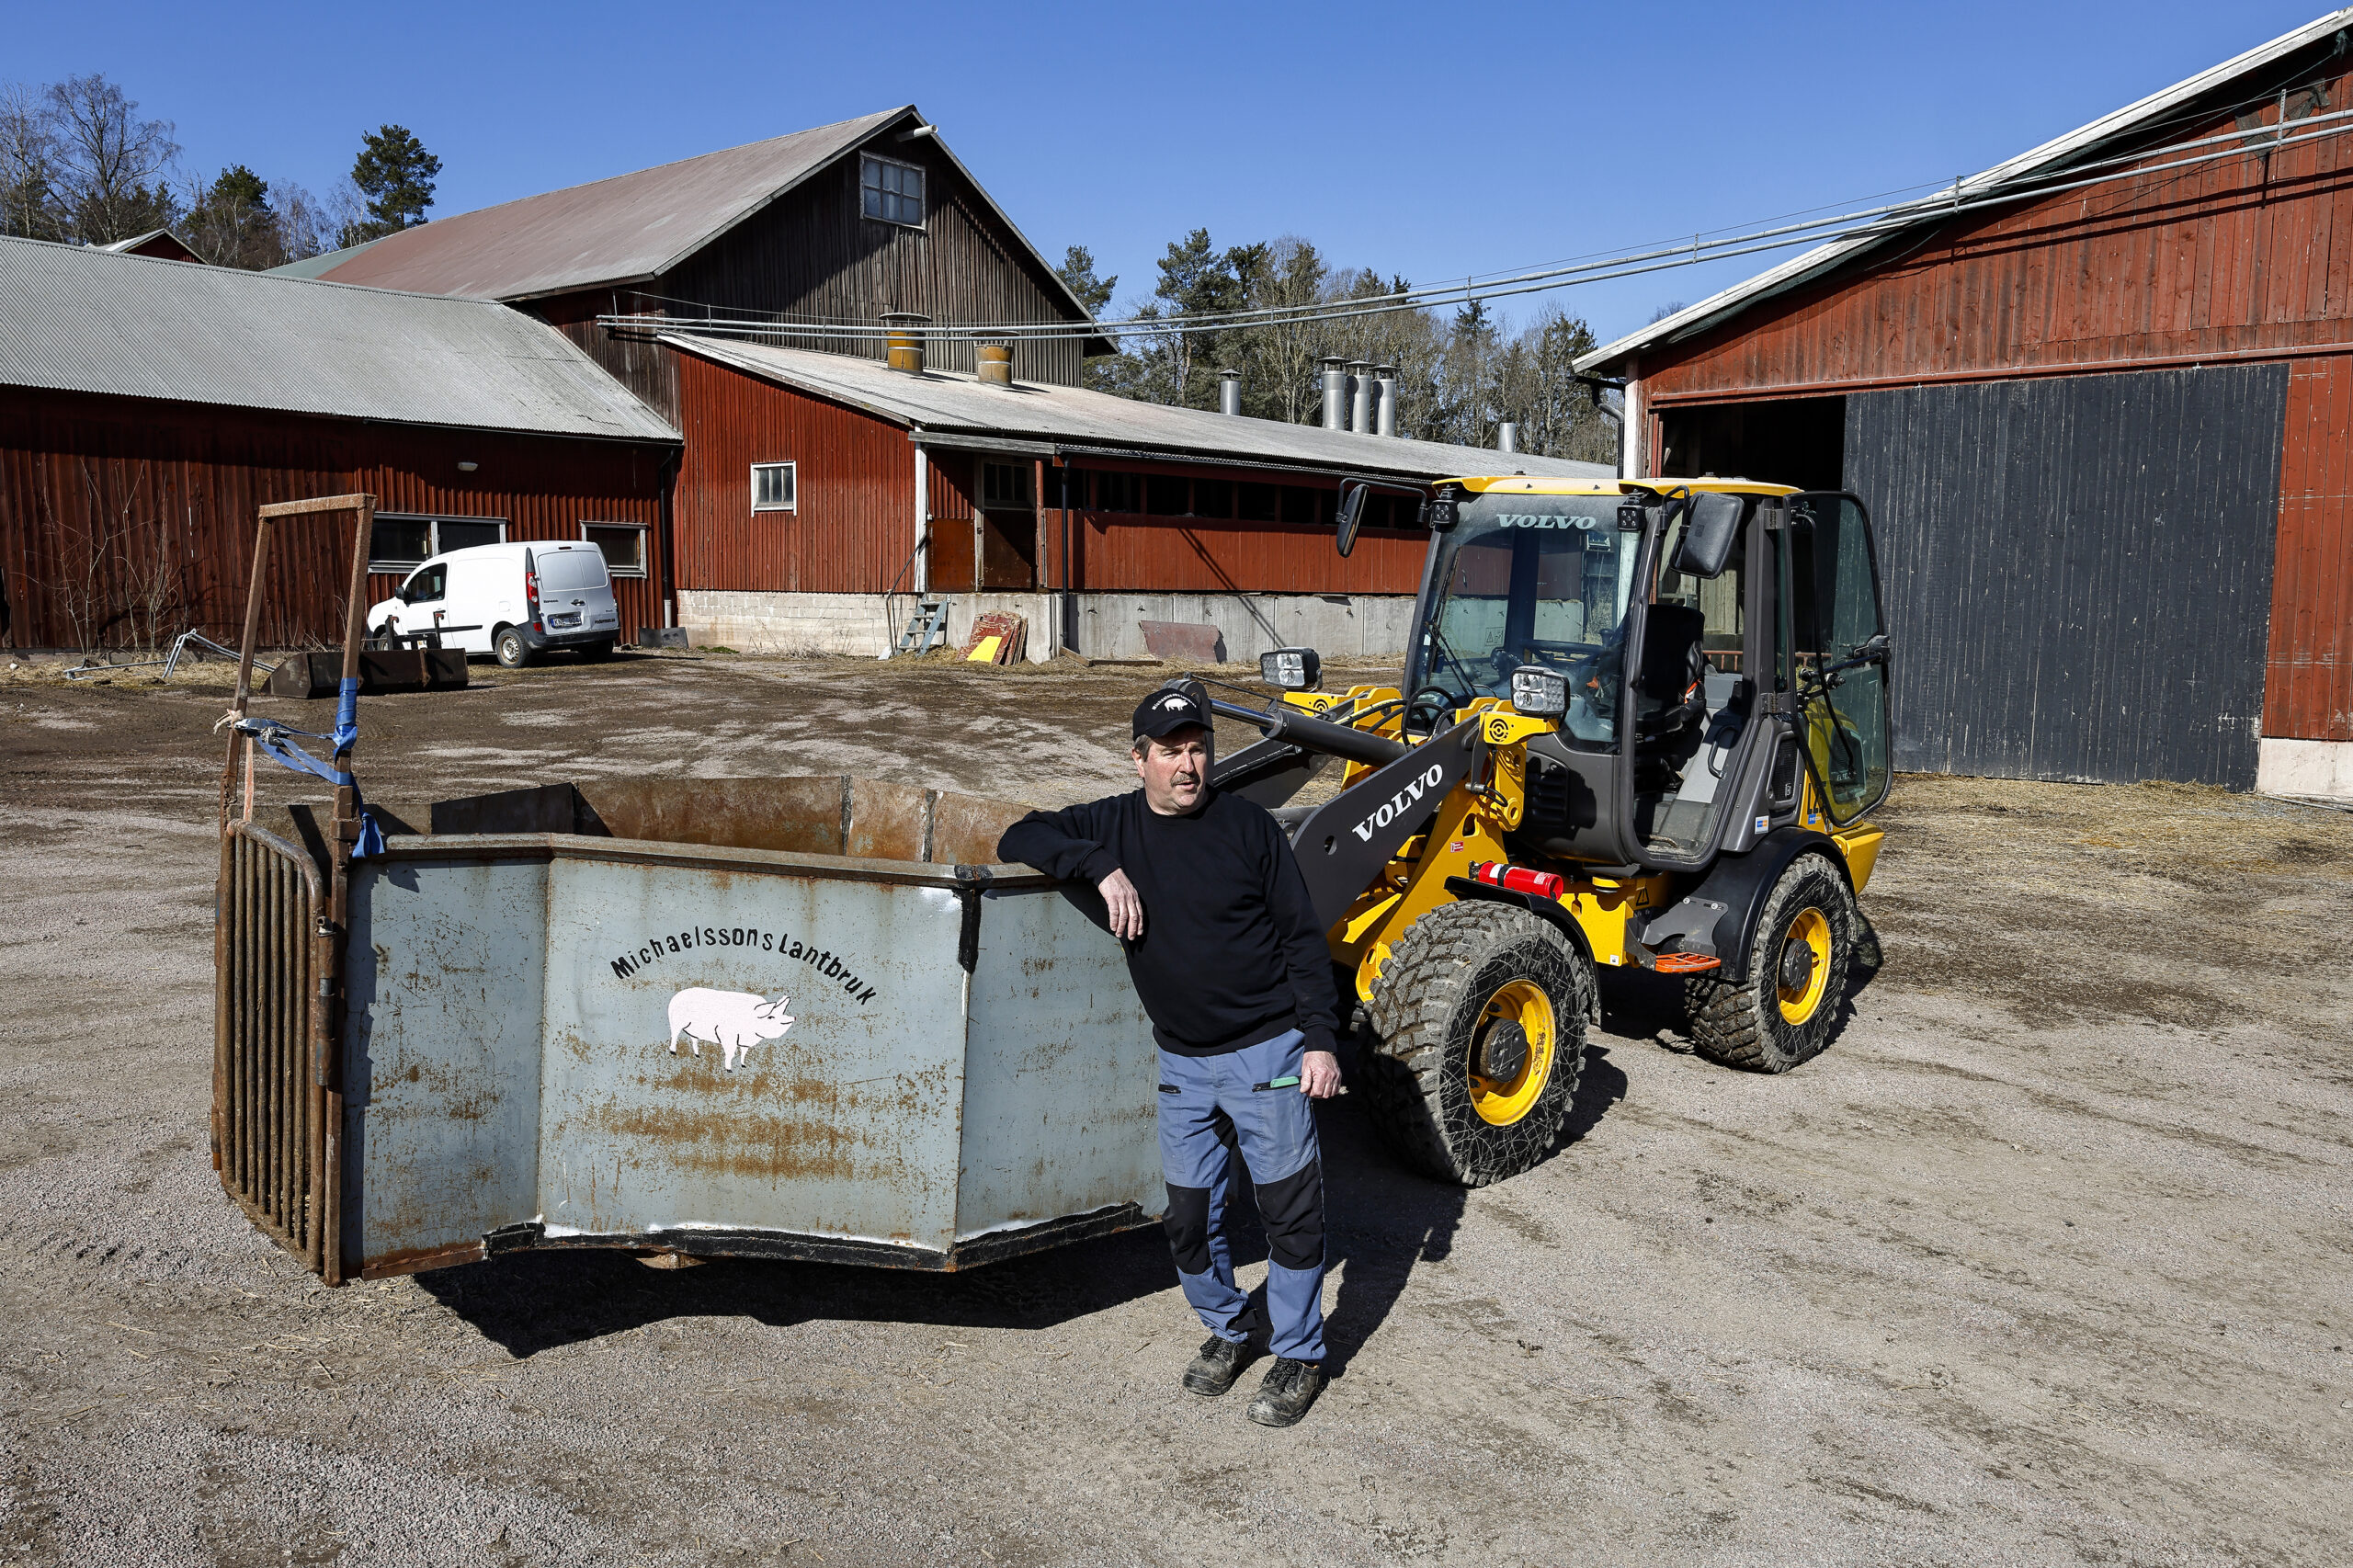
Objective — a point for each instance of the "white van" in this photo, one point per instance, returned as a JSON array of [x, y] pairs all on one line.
[[511, 600]]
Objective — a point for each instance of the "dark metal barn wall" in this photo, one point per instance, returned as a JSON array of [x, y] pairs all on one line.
[[2077, 570]]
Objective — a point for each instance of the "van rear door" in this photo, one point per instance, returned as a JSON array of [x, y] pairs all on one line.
[[575, 592]]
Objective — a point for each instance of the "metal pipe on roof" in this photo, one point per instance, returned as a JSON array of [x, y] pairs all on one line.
[[1508, 436], [1384, 386], [993, 364], [905, 340], [1359, 397], [1229, 392], [1335, 392]]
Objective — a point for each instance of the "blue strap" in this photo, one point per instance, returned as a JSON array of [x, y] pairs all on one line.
[[273, 738]]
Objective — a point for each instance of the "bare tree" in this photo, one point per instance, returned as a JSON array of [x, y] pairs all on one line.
[[29, 165], [115, 168]]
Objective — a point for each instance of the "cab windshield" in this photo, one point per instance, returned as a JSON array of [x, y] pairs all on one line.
[[1533, 580]]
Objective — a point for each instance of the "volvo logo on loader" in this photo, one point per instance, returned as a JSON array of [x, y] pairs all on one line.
[[1428, 780]]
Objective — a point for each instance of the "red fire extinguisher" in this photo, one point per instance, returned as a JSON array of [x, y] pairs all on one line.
[[1518, 879]]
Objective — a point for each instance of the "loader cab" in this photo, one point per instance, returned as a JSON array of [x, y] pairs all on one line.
[[1691, 637]]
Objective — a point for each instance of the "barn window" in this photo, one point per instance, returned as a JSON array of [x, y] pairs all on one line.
[[1212, 498], [1258, 503], [891, 192], [623, 545], [773, 487], [1118, 493], [1167, 497], [399, 541], [1004, 484]]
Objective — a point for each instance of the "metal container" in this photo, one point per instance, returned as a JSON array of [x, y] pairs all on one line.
[[766, 1018]]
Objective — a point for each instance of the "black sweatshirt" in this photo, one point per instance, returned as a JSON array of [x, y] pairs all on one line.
[[1231, 954]]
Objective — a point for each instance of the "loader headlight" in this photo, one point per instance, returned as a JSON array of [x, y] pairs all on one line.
[[1293, 669], [1539, 693]]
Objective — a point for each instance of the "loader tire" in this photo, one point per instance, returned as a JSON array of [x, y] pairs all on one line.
[[1797, 977], [1472, 986]]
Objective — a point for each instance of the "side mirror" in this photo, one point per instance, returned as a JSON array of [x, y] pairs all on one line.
[[1539, 692], [1293, 669], [1352, 496], [1710, 523]]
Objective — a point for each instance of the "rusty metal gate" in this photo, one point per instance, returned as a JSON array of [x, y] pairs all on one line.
[[272, 1057]]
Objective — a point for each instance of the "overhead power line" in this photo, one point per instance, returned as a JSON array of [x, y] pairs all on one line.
[[1859, 223]]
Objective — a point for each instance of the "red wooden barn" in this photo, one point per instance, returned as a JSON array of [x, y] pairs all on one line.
[[2098, 400], [148, 406], [825, 498]]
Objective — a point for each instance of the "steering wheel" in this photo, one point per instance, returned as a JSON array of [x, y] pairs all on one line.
[[1445, 699]]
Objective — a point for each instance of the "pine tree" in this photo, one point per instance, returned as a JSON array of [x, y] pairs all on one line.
[[395, 173]]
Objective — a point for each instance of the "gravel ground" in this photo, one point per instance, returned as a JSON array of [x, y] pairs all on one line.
[[2046, 1260]]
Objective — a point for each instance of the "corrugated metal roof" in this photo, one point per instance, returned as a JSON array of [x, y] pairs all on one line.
[[83, 320], [941, 403], [319, 266], [621, 230], [2039, 161]]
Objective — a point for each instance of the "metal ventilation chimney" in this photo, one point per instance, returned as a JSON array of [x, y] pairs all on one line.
[[1508, 436], [1385, 381], [993, 364], [1229, 392], [1335, 392], [906, 339], [1359, 397]]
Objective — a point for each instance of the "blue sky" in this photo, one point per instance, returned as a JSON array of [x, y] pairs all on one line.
[[1427, 140]]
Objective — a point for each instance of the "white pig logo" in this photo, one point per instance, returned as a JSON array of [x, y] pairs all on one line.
[[732, 1020]]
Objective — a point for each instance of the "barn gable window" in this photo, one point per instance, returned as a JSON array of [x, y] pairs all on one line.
[[891, 192], [773, 487]]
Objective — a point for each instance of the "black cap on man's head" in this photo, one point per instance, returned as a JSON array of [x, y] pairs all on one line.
[[1169, 710]]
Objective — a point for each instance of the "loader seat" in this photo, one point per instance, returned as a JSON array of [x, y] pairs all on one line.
[[1670, 689]]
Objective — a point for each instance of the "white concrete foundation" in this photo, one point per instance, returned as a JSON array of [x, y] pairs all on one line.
[[1099, 626], [2305, 767]]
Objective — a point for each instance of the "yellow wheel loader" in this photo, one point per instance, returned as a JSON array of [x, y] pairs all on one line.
[[1641, 725]]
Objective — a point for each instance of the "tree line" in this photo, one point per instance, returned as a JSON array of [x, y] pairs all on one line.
[[80, 164], [1459, 376]]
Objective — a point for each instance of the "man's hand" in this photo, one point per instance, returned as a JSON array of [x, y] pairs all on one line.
[[1319, 1075], [1127, 911]]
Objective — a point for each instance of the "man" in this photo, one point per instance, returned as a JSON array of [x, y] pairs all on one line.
[[1222, 945]]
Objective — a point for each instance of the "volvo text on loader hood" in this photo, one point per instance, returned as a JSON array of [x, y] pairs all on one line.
[[1641, 724]]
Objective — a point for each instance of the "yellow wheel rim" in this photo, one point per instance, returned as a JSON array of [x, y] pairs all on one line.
[[1501, 1102], [1798, 1001]]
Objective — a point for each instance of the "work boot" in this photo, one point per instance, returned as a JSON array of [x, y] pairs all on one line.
[[1220, 1362], [1288, 1388]]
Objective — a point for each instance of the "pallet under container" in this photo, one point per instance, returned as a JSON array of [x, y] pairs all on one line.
[[789, 1018]]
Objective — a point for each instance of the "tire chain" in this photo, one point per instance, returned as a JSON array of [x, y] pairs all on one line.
[[1728, 1022], [1410, 1016]]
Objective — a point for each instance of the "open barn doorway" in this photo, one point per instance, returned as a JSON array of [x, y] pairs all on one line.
[[1799, 440]]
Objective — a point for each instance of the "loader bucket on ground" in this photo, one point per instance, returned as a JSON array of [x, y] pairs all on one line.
[[787, 1017]]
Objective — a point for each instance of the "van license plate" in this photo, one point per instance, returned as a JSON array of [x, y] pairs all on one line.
[[571, 619]]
